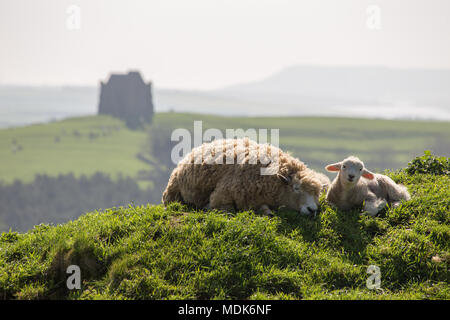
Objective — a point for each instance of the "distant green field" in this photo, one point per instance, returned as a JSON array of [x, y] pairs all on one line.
[[99, 143], [79, 145], [381, 144]]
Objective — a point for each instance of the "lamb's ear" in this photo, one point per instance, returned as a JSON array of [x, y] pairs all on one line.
[[367, 174], [286, 180], [334, 167]]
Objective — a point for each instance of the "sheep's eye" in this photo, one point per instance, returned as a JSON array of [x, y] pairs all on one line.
[[344, 167], [360, 169]]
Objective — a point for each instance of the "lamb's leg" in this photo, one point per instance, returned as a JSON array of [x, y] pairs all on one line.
[[373, 206], [395, 204], [396, 192]]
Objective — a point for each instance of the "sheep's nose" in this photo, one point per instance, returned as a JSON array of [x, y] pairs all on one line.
[[350, 177]]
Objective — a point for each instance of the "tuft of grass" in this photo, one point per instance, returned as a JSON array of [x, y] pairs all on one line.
[[152, 252], [429, 163]]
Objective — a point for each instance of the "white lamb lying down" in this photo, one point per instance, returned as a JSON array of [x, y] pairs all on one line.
[[375, 190]]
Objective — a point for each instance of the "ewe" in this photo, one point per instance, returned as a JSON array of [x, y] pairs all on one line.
[[348, 191], [204, 179]]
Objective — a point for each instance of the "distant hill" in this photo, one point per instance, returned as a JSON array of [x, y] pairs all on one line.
[[361, 92], [367, 92], [323, 85], [23, 105]]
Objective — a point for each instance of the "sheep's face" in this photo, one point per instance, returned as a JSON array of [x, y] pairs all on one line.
[[350, 171], [303, 194]]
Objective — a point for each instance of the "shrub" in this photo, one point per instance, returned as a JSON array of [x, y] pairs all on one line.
[[430, 164]]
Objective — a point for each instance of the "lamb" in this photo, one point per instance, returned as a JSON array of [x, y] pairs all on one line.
[[374, 191], [204, 179]]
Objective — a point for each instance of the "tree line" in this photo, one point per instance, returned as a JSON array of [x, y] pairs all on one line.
[[66, 197]]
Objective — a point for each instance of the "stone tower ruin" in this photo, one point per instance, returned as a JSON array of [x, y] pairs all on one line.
[[128, 97]]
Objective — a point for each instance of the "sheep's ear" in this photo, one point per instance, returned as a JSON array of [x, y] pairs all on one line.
[[367, 174], [286, 180], [334, 167]]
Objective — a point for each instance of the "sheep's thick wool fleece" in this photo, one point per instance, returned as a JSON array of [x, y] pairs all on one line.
[[205, 171]]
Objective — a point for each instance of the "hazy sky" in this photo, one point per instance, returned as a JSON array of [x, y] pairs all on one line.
[[206, 44]]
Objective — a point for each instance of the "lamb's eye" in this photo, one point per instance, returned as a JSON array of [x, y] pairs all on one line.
[[344, 167], [360, 169]]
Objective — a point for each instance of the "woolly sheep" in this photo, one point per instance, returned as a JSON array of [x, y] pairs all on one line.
[[376, 190], [204, 179]]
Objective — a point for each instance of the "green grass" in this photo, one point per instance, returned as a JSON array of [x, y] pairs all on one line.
[[152, 253], [65, 146], [54, 148], [381, 144]]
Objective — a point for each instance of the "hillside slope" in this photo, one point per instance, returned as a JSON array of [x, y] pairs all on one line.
[[86, 145], [342, 85], [82, 146], [151, 253], [317, 141]]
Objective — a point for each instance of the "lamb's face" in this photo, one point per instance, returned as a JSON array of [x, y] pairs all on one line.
[[304, 195], [350, 171]]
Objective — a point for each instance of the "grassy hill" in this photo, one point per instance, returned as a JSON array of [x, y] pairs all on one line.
[[81, 146], [87, 145], [148, 252]]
